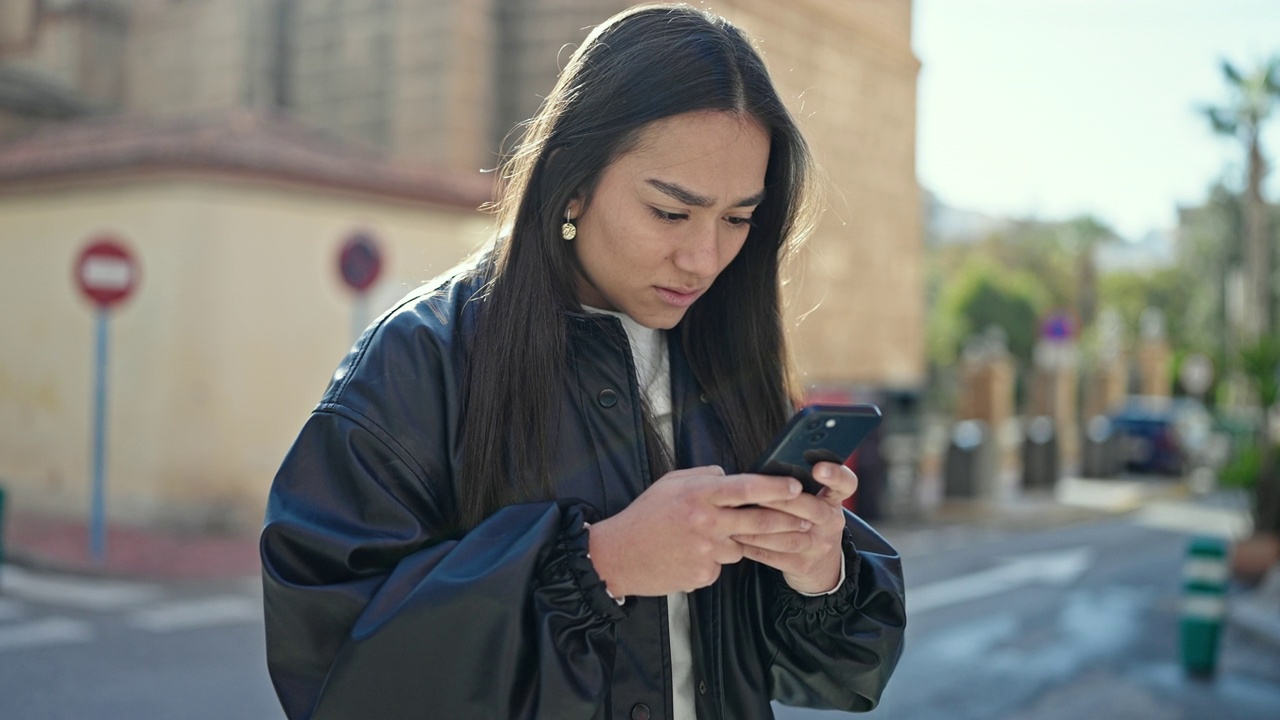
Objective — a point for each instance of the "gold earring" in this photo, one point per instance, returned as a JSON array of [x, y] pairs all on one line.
[[568, 230]]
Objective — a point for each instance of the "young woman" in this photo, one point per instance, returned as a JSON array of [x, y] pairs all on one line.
[[519, 497]]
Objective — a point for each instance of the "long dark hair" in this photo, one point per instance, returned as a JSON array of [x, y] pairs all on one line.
[[642, 65]]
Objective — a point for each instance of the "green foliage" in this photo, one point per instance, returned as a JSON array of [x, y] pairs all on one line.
[[1172, 291], [1260, 362], [1252, 98], [1243, 469], [980, 295]]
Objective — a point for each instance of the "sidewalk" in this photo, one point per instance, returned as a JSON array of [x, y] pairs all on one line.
[[63, 545]]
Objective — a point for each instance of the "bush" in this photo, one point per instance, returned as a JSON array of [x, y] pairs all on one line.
[[1243, 469]]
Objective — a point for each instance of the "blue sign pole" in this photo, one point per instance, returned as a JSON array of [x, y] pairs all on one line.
[[97, 518]]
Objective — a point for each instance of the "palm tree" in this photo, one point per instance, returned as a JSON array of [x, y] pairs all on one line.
[[1253, 99]]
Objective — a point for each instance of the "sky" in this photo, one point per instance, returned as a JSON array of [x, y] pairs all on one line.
[[1054, 108]]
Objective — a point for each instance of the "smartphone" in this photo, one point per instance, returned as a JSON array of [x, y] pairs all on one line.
[[814, 434]]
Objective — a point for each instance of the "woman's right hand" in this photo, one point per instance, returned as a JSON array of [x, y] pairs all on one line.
[[678, 533]]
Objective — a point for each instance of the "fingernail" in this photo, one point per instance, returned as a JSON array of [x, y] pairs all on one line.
[[823, 471], [794, 486], [805, 525]]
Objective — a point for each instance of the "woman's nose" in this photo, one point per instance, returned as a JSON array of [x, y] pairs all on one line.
[[700, 253]]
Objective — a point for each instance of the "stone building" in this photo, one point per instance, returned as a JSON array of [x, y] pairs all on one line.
[[235, 143]]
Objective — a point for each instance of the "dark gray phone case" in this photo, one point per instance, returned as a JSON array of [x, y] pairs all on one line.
[[814, 434]]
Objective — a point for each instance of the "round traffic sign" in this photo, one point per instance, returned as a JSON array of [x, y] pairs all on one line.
[[1058, 327], [360, 261], [106, 272]]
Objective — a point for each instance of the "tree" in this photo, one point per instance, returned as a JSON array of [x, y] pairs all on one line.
[[980, 295], [1172, 291], [1260, 362], [1252, 100]]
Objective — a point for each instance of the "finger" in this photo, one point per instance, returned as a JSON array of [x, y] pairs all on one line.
[[783, 562], [760, 520], [728, 552], [841, 483], [750, 489], [806, 507], [781, 543]]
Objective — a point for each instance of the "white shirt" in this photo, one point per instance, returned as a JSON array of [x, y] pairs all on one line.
[[653, 375]]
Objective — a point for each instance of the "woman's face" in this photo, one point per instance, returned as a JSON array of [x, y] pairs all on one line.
[[669, 216]]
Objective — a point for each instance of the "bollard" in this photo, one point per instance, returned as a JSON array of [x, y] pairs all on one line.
[[963, 466], [1040, 454], [1204, 604], [1099, 449]]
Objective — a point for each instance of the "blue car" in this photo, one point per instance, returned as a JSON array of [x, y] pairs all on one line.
[[1163, 436]]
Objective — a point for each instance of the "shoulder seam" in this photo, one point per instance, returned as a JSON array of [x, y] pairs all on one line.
[[379, 432]]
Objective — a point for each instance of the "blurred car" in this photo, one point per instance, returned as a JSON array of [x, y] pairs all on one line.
[[1165, 436]]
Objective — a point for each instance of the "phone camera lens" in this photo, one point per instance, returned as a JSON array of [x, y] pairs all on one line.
[[812, 424], [816, 437]]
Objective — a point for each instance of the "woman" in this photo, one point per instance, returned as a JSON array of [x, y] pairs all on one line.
[[481, 518]]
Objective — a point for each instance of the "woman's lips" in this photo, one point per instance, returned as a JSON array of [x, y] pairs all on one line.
[[679, 298]]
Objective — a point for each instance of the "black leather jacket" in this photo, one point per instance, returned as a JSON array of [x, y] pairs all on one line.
[[373, 612]]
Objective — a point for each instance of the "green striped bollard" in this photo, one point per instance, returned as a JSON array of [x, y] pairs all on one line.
[[1204, 604]]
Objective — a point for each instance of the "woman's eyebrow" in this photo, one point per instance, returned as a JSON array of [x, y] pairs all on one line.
[[689, 197]]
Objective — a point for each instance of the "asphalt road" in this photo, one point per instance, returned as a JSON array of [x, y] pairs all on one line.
[[1078, 621], [109, 650], [1075, 622]]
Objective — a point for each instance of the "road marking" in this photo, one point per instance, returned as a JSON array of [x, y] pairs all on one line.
[[205, 612], [1115, 496], [1186, 518], [1054, 568], [9, 609], [87, 593], [52, 631]]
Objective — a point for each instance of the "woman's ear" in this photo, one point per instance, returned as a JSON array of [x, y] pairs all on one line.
[[575, 208]]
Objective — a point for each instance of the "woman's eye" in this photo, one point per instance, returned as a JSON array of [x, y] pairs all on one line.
[[740, 221], [665, 216]]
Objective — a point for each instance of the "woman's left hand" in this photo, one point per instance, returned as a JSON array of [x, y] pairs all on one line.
[[810, 561]]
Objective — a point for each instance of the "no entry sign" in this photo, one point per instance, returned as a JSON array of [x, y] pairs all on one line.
[[360, 262], [106, 272]]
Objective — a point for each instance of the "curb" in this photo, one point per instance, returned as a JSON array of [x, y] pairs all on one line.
[[1257, 611]]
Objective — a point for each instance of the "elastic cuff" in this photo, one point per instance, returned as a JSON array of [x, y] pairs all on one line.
[[575, 547]]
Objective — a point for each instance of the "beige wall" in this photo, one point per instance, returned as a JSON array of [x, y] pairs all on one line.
[[237, 325], [848, 73], [190, 57]]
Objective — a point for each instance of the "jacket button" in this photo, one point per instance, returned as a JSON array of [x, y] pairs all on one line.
[[702, 687], [608, 398], [640, 712]]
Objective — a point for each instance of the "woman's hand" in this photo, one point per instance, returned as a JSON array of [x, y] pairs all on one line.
[[678, 533], [810, 560]]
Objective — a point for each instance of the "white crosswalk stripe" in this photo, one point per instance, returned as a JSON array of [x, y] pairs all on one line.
[[49, 631], [197, 613], [84, 593], [28, 598]]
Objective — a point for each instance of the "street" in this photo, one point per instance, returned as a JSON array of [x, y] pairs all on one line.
[[1078, 621], [1005, 623], [76, 647]]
